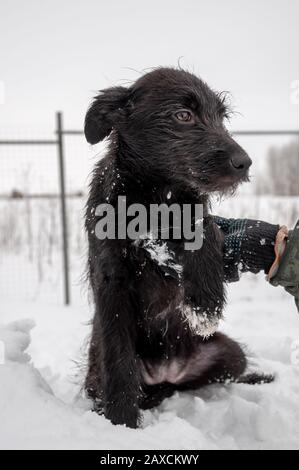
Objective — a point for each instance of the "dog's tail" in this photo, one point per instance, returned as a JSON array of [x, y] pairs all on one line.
[[256, 378]]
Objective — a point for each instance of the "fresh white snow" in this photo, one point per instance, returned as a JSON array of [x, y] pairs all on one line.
[[41, 405]]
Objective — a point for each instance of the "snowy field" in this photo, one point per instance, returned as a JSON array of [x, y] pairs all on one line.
[[41, 405]]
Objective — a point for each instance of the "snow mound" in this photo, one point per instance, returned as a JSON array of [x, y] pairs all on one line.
[[16, 339], [38, 411]]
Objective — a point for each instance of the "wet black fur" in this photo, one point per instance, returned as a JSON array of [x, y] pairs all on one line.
[[151, 153]]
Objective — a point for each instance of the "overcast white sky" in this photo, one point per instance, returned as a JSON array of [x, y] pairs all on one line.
[[55, 53]]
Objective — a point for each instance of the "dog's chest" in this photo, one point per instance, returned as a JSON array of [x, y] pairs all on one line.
[[166, 301]]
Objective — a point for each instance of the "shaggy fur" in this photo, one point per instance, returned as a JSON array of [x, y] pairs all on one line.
[[167, 143]]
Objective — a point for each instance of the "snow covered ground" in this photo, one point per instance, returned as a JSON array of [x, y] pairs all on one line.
[[41, 405]]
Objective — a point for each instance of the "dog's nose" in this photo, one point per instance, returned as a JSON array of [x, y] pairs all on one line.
[[240, 161]]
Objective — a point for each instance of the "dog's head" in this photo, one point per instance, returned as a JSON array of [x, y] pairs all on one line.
[[172, 125]]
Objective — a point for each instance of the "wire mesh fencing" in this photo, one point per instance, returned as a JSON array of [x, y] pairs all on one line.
[[42, 241], [43, 185]]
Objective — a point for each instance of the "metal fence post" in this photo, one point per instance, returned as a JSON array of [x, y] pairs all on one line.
[[65, 245]]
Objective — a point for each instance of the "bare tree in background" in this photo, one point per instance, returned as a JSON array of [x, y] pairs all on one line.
[[282, 171]]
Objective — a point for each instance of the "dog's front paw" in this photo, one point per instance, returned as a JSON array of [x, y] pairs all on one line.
[[119, 411], [199, 321]]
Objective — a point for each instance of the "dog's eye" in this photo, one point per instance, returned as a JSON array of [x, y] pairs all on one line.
[[184, 116]]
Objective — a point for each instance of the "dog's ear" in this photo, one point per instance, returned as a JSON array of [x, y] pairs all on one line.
[[104, 112]]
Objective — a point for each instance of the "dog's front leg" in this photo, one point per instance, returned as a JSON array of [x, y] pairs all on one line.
[[117, 325], [204, 282]]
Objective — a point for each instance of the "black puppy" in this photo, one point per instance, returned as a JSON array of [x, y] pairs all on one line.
[[153, 331]]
